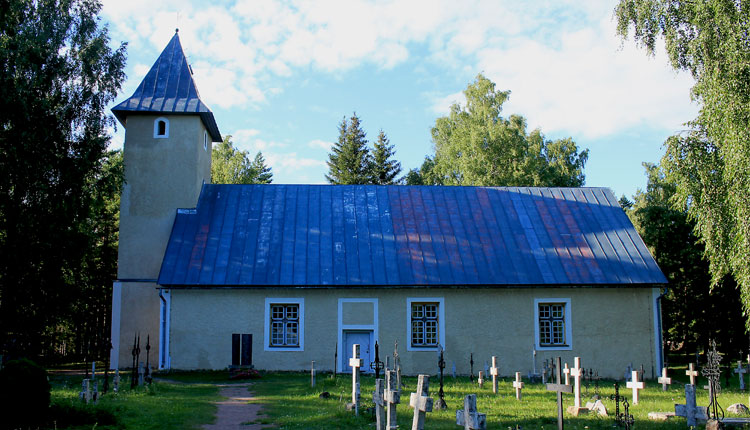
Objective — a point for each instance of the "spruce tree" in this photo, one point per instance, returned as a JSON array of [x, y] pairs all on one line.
[[263, 174], [348, 162], [383, 168]]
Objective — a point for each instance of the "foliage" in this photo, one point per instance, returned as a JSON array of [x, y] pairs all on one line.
[[24, 394], [230, 165], [58, 74], [383, 168], [424, 175], [691, 313], [349, 159], [709, 162], [475, 145]]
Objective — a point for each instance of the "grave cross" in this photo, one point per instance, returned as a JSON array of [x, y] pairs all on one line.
[[544, 372], [441, 394], [518, 385], [355, 362], [664, 380], [636, 385], [420, 402], [397, 365], [377, 365], [471, 367], [147, 371], [493, 372], [576, 372], [335, 358], [566, 371], [379, 400], [560, 389], [740, 370], [392, 395], [312, 374], [116, 381], [692, 373], [712, 372], [469, 418], [689, 410], [481, 379]]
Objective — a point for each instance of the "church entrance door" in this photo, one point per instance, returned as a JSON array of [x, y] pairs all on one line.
[[366, 352]]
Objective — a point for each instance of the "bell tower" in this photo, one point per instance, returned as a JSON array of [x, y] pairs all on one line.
[[167, 156]]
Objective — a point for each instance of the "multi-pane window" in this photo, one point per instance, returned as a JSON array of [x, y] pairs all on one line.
[[552, 324], [285, 325], [424, 324]]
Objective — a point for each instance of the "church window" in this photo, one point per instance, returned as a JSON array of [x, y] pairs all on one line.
[[205, 141], [553, 323], [161, 128], [284, 324], [426, 323]]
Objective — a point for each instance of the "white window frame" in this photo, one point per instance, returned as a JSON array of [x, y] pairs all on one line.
[[568, 324], [267, 323], [156, 128], [441, 322], [205, 140]]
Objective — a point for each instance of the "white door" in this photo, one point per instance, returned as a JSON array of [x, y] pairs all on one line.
[[366, 352]]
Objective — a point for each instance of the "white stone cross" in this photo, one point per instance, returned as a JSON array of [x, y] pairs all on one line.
[[692, 373], [312, 374], [635, 385], [577, 373], [493, 372], [355, 362], [664, 380], [141, 373], [469, 418], [566, 371], [392, 395], [740, 370], [480, 379], [379, 399], [86, 394], [518, 385], [420, 402], [689, 410]]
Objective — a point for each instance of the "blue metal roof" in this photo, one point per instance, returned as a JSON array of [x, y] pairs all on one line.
[[365, 235], [169, 88]]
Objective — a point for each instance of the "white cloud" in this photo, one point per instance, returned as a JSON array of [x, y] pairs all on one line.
[[442, 105], [320, 144]]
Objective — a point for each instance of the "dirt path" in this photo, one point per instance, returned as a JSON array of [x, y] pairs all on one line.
[[234, 410]]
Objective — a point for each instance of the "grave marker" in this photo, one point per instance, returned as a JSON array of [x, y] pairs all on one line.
[[453, 369], [560, 389], [420, 402], [141, 373], [116, 388], [392, 395], [664, 380], [355, 362], [397, 365], [518, 385], [471, 367], [577, 373], [481, 379], [740, 371], [689, 410], [377, 365], [379, 400], [441, 394], [469, 418], [692, 373], [493, 372], [635, 385], [312, 374], [566, 371]]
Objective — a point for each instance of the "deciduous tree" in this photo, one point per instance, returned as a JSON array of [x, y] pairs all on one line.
[[230, 165]]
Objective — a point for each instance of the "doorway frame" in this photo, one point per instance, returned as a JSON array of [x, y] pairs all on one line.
[[372, 328]]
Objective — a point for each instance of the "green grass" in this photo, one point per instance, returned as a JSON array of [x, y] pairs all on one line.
[[290, 403], [161, 406]]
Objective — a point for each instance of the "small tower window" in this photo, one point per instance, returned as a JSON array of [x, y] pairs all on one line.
[[205, 140], [161, 128]]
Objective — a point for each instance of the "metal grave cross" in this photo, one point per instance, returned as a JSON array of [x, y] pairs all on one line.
[[560, 389], [636, 385], [712, 372], [397, 365], [664, 380], [379, 400], [692, 373], [469, 418], [566, 371], [518, 385], [312, 374], [471, 367], [355, 362], [392, 395], [689, 410], [740, 370], [577, 373], [441, 394], [377, 365], [493, 372], [420, 402]]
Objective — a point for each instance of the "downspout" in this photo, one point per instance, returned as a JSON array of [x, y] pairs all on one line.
[[164, 332], [660, 344]]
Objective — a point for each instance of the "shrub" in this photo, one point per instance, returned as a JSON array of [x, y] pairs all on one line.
[[24, 394]]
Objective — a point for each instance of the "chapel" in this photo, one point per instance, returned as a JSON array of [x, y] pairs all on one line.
[[276, 276]]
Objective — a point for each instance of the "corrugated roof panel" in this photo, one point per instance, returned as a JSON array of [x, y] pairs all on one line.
[[310, 235]]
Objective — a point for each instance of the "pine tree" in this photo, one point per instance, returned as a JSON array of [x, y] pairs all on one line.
[[348, 162], [383, 168]]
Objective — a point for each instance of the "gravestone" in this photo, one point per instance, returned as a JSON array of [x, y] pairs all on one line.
[[577, 373], [392, 395], [355, 362], [378, 399], [692, 373], [740, 371], [689, 410], [468, 417], [636, 385], [629, 372], [493, 372], [85, 393], [560, 388], [420, 402], [141, 374], [116, 388], [518, 385], [664, 380], [480, 379], [312, 374], [566, 372]]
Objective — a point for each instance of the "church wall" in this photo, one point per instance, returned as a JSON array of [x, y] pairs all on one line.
[[610, 327]]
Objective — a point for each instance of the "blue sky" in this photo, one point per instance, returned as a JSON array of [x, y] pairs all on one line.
[[280, 76]]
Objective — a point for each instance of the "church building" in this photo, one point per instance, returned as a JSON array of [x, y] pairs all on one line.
[[276, 276]]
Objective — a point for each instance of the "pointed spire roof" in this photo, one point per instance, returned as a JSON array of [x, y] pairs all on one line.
[[169, 88]]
